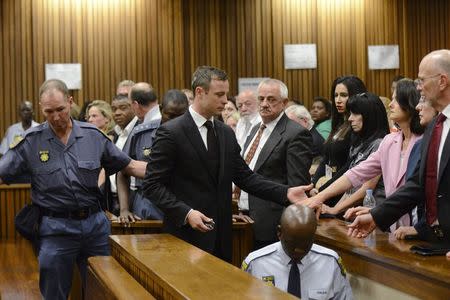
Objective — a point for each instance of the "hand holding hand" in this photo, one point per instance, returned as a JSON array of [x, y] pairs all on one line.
[[197, 221], [298, 194], [353, 212]]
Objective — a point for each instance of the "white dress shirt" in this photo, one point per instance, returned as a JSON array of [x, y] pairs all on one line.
[[322, 275], [121, 140], [200, 120], [244, 127], [243, 200]]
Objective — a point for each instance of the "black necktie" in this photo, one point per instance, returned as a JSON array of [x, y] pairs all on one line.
[[213, 147], [294, 280]]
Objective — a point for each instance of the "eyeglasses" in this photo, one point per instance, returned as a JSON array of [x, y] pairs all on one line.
[[419, 81]]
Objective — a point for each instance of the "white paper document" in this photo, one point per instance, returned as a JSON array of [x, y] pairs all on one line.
[[383, 57], [69, 73], [300, 56]]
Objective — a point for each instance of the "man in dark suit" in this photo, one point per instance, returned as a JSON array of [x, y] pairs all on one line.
[[194, 159], [283, 154], [429, 186]]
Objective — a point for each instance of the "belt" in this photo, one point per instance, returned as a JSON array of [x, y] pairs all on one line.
[[437, 231], [80, 214], [245, 212]]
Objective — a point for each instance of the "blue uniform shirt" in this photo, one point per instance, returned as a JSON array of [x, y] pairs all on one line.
[[139, 144], [63, 177]]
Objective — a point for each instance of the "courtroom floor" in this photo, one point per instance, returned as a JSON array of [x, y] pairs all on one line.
[[19, 276]]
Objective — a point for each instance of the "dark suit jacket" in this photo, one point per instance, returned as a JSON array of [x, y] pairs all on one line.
[[413, 193], [179, 178], [285, 158]]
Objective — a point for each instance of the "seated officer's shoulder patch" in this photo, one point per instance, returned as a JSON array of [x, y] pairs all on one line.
[[341, 266], [244, 266]]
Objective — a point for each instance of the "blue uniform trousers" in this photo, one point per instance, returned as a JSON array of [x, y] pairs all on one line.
[[65, 242], [145, 209]]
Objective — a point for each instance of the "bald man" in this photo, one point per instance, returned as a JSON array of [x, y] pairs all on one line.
[[15, 132], [295, 264], [428, 187]]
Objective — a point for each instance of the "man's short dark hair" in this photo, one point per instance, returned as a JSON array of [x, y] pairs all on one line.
[[176, 97], [204, 74], [143, 97], [120, 97]]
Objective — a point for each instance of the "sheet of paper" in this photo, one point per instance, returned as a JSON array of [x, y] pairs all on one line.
[[249, 83], [300, 56], [383, 57], [69, 73]]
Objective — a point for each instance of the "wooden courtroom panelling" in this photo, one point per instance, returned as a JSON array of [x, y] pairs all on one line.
[[12, 198], [163, 41], [170, 268], [384, 259]]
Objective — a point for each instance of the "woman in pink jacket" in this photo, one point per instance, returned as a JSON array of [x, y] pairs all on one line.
[[389, 161]]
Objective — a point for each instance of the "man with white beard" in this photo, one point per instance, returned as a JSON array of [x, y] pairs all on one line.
[[247, 104]]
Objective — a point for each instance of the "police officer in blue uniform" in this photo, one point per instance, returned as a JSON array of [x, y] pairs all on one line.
[[139, 146], [64, 158], [295, 264]]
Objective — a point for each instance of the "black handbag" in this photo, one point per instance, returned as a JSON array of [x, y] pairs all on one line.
[[27, 222]]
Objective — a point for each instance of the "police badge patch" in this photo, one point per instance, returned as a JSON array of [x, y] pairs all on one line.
[[270, 280], [146, 151], [44, 156]]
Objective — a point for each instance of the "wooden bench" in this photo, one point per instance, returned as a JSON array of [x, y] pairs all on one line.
[[170, 268], [107, 280]]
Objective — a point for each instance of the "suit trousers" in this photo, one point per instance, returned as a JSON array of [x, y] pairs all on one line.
[[64, 242]]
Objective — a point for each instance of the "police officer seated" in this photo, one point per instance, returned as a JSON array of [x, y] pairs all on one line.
[[295, 264]]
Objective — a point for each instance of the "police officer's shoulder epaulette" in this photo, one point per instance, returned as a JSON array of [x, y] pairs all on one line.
[[30, 131], [257, 254], [86, 125], [147, 126], [328, 252]]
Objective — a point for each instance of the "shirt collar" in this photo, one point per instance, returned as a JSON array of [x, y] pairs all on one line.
[[199, 120], [271, 125], [446, 111], [152, 114], [285, 259]]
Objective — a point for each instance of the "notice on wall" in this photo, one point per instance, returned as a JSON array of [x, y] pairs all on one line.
[[69, 73], [383, 57], [300, 56], [249, 83]]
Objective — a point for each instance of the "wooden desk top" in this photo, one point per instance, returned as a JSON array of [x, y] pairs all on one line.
[[383, 256], [185, 271]]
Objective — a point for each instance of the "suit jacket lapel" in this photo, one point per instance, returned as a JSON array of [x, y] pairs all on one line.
[[272, 141], [194, 137], [218, 126]]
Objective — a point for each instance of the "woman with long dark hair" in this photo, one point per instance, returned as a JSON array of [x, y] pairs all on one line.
[[338, 143], [391, 158]]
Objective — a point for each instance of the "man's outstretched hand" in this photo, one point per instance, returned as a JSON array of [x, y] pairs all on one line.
[[297, 194]]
